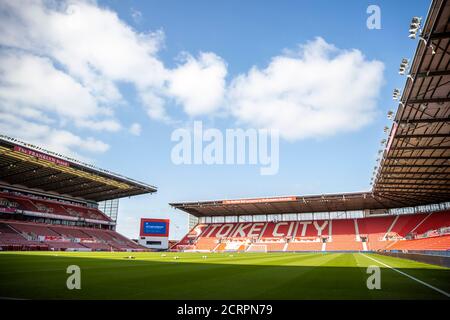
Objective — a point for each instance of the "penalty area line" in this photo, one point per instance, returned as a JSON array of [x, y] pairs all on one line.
[[409, 276]]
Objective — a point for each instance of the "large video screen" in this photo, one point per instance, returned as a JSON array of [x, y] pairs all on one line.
[[153, 227]]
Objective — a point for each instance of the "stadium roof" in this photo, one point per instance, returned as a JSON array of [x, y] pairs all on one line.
[[289, 204], [415, 165], [25, 165]]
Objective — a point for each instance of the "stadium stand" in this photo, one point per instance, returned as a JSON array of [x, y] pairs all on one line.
[[29, 235], [393, 232], [440, 243], [50, 202], [305, 246], [374, 230]]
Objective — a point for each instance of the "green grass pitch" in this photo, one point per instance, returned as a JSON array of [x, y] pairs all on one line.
[[110, 275]]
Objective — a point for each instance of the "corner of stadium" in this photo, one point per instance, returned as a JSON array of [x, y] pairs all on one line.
[[56, 211]]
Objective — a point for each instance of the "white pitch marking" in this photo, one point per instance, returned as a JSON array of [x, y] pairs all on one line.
[[409, 276]]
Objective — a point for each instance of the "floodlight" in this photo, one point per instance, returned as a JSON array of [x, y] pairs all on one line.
[[396, 94], [403, 66], [390, 116], [414, 27]]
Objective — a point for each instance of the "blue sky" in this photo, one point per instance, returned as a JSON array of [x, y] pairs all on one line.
[[239, 36]]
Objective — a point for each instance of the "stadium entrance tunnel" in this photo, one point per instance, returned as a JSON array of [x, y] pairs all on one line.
[[42, 275]]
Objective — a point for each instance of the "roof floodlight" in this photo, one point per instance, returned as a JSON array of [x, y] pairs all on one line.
[[383, 141], [396, 94], [386, 129], [403, 66], [416, 20], [390, 116], [414, 27]]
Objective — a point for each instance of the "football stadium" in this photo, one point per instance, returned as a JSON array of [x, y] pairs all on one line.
[[56, 212]]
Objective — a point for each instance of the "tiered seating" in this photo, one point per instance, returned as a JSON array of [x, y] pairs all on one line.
[[304, 246], [69, 232], [432, 243], [10, 236], [312, 229], [50, 207], [26, 235], [87, 213], [272, 246], [406, 223], [344, 243], [206, 244], [375, 228], [34, 230], [343, 236], [434, 221], [221, 247], [340, 235], [278, 229], [10, 201], [190, 237]]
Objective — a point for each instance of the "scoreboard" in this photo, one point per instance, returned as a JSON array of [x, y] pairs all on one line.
[[154, 233]]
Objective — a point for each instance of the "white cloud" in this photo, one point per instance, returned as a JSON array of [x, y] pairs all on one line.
[[199, 84], [62, 64], [110, 125], [318, 91], [135, 129], [83, 52], [33, 82], [57, 140]]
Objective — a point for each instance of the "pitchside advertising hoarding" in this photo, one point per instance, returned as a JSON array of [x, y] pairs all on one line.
[[154, 233]]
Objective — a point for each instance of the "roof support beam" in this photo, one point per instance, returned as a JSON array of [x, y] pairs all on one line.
[[428, 100], [419, 179], [87, 192], [440, 35], [34, 168], [421, 148], [419, 136], [417, 158], [417, 198], [432, 73], [410, 184], [394, 200], [437, 190], [71, 178], [428, 120], [416, 173], [417, 165], [438, 197], [75, 186], [37, 178]]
